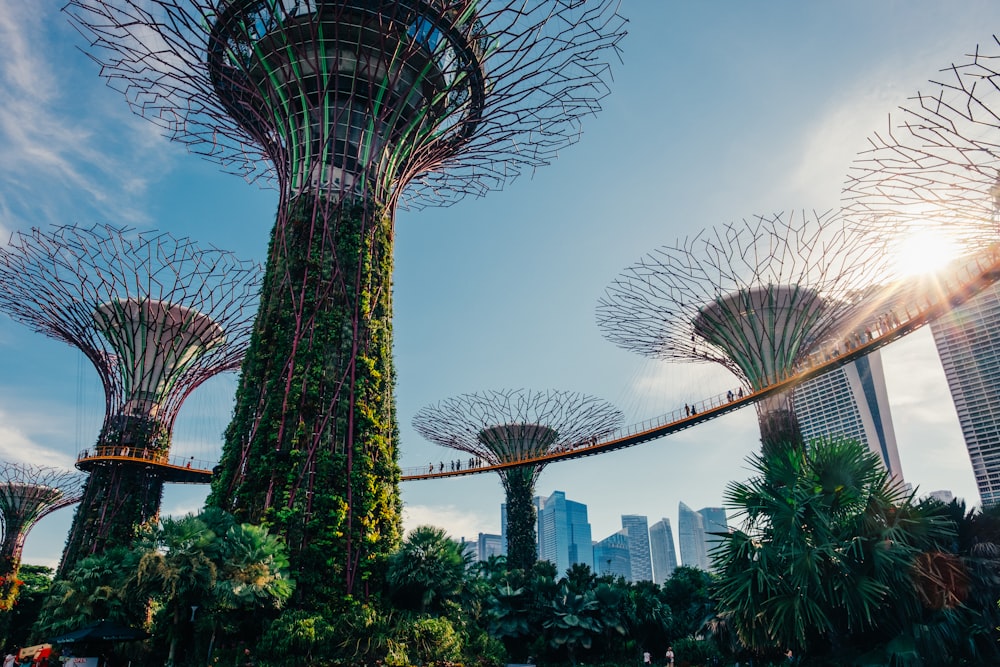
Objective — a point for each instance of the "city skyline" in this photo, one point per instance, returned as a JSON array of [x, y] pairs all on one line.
[[501, 291]]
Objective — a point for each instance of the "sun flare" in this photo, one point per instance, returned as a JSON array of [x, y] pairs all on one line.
[[924, 252]]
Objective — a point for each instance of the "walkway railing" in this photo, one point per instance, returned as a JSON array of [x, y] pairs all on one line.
[[93, 455], [895, 312]]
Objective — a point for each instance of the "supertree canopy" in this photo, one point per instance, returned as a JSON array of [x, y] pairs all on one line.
[[157, 316], [757, 296], [936, 167], [352, 106], [28, 493], [499, 427]]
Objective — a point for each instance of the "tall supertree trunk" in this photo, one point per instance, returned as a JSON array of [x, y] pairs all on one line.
[[311, 449], [522, 544]]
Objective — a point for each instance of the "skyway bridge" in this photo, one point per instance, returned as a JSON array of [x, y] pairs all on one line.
[[894, 312]]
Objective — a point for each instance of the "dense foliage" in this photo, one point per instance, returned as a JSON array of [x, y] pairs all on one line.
[[311, 450], [834, 562], [837, 562], [202, 585]]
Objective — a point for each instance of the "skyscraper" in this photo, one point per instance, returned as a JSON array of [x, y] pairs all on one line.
[[851, 401], [564, 536], [714, 520], [636, 528], [661, 543], [611, 556], [691, 536], [968, 342], [488, 545]]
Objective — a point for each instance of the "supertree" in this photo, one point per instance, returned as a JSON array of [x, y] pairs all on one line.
[[934, 172], [28, 493], [756, 296], [157, 316], [505, 426], [354, 107]]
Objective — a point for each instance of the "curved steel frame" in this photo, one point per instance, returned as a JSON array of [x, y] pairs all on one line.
[[28, 493], [757, 296]]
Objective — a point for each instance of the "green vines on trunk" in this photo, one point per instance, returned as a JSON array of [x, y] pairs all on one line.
[[522, 550], [119, 499], [311, 451]]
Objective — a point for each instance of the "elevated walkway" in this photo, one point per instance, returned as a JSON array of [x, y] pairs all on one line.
[[894, 312]]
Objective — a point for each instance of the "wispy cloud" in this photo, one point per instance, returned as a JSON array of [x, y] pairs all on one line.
[[55, 148]]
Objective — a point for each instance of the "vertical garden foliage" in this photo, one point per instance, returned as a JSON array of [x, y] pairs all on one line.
[[311, 450], [118, 500], [522, 551]]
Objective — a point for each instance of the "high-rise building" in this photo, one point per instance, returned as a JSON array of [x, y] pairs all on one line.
[[851, 401], [714, 521], [564, 536], [661, 544], [488, 545], [636, 528], [611, 556], [691, 537], [968, 342]]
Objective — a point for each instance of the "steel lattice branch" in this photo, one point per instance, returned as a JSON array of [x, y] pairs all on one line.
[[937, 165], [501, 426], [156, 315], [756, 296], [517, 78]]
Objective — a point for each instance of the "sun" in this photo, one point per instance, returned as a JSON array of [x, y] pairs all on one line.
[[924, 251]]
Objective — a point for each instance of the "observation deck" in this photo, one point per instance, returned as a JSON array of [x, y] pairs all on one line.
[[172, 469]]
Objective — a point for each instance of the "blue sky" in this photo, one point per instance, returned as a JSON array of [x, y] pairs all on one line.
[[720, 110]]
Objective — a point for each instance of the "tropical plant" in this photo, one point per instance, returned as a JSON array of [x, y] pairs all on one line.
[[428, 569], [99, 587], [688, 595], [824, 563]]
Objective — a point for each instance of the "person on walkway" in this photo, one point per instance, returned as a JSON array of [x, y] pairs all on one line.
[[670, 655]]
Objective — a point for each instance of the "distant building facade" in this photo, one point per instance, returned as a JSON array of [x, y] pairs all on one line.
[[611, 556], [564, 536], [714, 521], [851, 401], [661, 545], [636, 528], [968, 343], [691, 537], [489, 545]]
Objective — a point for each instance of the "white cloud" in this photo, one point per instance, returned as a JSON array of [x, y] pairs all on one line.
[[64, 143], [457, 522]]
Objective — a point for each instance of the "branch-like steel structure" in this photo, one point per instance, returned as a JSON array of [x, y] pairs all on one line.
[[353, 107], [757, 296], [28, 493], [937, 164], [504, 426], [157, 316]]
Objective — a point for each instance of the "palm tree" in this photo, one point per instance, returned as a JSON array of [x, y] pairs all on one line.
[[428, 569], [178, 568], [824, 563], [99, 587]]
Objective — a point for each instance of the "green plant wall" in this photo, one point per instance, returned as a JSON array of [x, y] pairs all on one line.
[[311, 451]]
